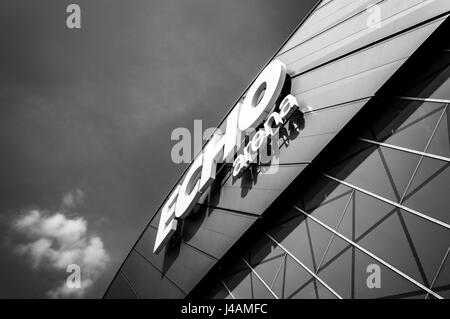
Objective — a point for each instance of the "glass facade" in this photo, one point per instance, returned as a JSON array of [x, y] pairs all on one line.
[[378, 203]]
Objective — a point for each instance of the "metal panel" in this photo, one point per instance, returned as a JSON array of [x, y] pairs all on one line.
[[120, 289], [333, 94], [395, 49], [213, 230], [357, 87], [318, 131], [183, 265], [328, 46], [146, 281], [323, 19]]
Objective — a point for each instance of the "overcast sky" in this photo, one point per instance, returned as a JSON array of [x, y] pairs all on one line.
[[86, 117]]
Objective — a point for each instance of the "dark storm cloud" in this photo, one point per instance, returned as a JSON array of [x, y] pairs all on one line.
[[94, 108]]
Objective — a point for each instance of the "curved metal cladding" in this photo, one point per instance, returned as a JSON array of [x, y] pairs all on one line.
[[336, 61]]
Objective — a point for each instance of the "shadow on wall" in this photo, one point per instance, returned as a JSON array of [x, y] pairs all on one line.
[[425, 73], [422, 75]]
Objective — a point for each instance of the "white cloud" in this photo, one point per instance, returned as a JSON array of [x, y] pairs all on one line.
[[37, 250], [56, 241], [73, 198]]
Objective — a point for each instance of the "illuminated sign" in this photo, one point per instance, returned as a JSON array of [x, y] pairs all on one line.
[[254, 111]]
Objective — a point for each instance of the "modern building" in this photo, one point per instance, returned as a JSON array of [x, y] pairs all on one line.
[[355, 199]]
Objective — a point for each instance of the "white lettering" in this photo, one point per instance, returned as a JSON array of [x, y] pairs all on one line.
[[260, 100], [190, 189], [220, 148], [269, 84], [73, 21], [167, 222]]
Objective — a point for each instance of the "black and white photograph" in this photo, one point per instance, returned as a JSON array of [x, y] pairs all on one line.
[[224, 156]]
